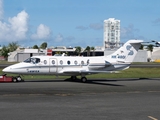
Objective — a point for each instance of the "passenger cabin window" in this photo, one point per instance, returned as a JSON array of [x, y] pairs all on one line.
[[75, 62], [61, 62], [45, 61], [32, 60], [68, 62], [53, 62], [82, 62], [87, 61]]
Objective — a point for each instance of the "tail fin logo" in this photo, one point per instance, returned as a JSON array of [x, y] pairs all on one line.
[[128, 47]]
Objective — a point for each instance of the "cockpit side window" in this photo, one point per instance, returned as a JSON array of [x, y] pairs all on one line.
[[32, 60], [28, 60], [37, 60]]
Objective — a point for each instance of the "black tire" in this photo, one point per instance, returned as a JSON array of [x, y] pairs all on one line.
[[73, 77], [14, 79], [84, 79], [19, 79]]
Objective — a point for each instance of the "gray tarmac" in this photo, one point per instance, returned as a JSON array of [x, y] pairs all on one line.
[[103, 99]]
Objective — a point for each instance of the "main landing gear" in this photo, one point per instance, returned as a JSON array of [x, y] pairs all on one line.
[[83, 78]]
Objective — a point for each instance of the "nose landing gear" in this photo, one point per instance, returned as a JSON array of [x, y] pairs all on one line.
[[17, 79]]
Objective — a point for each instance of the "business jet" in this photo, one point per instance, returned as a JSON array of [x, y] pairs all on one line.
[[77, 65]]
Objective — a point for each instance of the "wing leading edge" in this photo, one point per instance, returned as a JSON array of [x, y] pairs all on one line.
[[86, 72]]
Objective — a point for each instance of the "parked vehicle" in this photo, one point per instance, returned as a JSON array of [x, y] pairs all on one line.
[[5, 78]]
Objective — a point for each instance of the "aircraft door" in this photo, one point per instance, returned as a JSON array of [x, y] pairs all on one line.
[[52, 65]]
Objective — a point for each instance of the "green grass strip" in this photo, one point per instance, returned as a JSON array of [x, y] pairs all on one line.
[[129, 73]]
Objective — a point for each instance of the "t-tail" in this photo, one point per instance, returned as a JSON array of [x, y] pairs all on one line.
[[127, 52]]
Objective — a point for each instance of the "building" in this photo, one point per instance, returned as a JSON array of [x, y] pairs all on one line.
[[22, 54], [111, 33], [154, 55]]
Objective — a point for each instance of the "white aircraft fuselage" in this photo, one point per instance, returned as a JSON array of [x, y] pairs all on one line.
[[78, 65]]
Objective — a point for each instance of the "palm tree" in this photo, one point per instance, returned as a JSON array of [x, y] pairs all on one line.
[[150, 48], [35, 47], [10, 48], [141, 48], [78, 50], [93, 49], [13, 46], [4, 52], [43, 45], [88, 50]]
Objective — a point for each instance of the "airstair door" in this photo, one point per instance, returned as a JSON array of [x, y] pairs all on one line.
[[53, 65]]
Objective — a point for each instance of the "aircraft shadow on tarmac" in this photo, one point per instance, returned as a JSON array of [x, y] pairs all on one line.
[[95, 81], [90, 81]]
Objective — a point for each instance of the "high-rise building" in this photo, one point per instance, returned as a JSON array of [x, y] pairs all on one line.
[[111, 33]]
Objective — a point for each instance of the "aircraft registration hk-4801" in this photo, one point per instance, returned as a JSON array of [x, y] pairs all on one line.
[[77, 65]]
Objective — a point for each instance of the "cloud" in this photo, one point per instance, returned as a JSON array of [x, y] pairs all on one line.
[[96, 26], [129, 32], [19, 24], [156, 21], [16, 28], [70, 38], [81, 27], [59, 38], [43, 32]]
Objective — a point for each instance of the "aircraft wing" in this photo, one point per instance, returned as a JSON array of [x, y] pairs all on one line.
[[74, 72]]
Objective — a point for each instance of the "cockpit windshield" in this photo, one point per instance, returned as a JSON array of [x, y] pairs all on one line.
[[32, 60]]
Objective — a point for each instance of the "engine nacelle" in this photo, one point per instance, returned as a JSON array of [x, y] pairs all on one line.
[[95, 65]]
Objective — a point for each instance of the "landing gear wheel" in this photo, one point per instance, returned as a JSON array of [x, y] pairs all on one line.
[[84, 79], [14, 79], [19, 79]]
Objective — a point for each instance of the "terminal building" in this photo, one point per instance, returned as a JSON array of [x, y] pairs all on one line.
[[22, 54]]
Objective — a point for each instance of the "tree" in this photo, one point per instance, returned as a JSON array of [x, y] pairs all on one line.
[[150, 48], [4, 52], [13, 46], [93, 49], [141, 48], [35, 47], [58, 53], [10, 48], [78, 50], [43, 45], [88, 50]]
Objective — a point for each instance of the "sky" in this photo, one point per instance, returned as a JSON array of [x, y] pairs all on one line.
[[76, 22]]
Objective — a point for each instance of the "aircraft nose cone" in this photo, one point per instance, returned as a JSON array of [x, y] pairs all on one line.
[[6, 69]]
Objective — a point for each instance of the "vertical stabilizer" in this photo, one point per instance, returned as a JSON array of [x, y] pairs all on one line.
[[127, 52]]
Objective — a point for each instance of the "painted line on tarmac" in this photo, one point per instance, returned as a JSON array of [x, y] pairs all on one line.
[[152, 118]]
